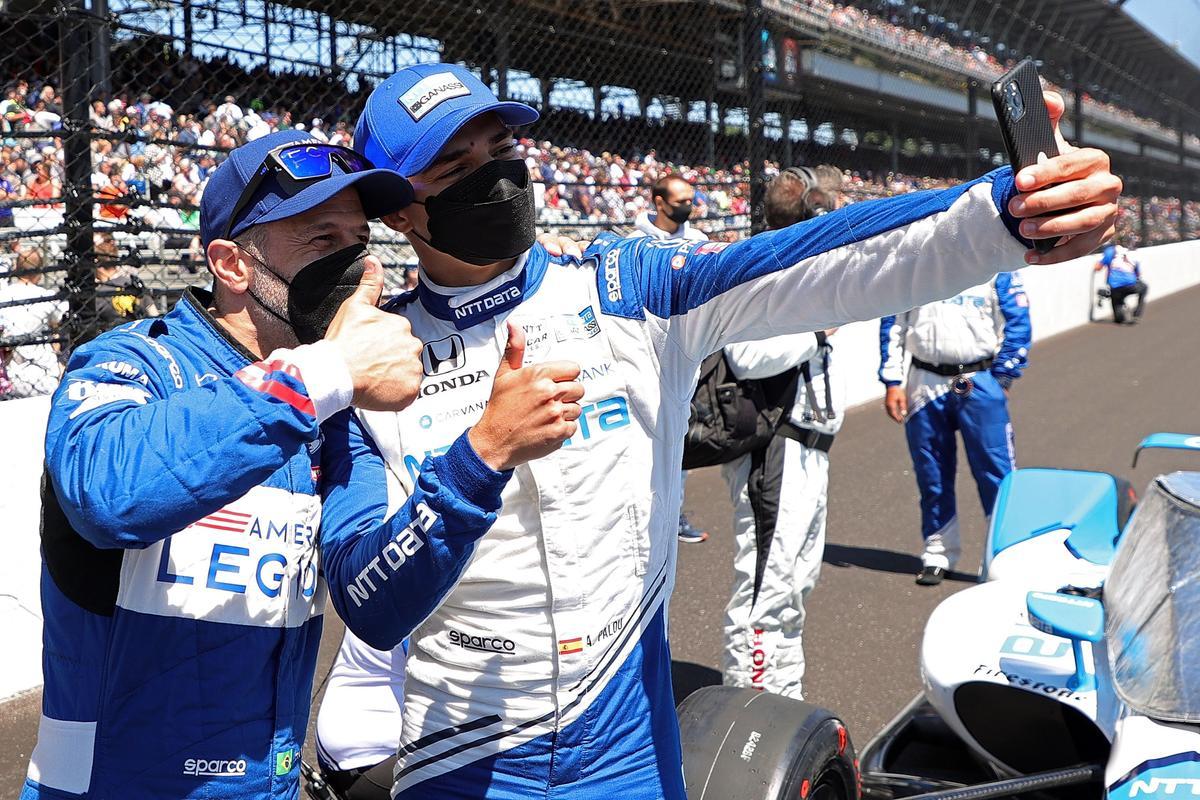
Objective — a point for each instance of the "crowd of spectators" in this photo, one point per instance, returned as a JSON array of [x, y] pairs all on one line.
[[152, 172], [149, 174]]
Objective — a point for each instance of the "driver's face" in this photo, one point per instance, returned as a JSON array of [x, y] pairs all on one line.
[[481, 140]]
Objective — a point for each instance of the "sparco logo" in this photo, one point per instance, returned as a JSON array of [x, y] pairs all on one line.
[[430, 388], [429, 92], [612, 274], [215, 767], [499, 299], [484, 644], [444, 355]]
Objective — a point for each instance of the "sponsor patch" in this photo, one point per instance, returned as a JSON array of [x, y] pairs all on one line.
[[482, 643], [612, 274], [91, 395], [591, 326], [444, 355], [430, 92], [215, 767], [286, 761], [711, 247]]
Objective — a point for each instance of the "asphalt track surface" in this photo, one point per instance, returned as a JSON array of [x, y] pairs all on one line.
[[1088, 398]]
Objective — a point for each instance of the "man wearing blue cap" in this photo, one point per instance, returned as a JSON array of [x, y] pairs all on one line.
[[546, 671], [191, 461]]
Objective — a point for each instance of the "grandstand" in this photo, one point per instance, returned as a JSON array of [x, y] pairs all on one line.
[[720, 91]]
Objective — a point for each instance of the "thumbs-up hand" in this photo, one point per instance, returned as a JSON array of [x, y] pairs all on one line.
[[532, 410], [380, 350]]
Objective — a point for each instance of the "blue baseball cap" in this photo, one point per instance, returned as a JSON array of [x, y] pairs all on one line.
[[381, 191], [411, 116]]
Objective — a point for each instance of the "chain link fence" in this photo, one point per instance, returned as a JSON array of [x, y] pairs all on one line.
[[117, 111]]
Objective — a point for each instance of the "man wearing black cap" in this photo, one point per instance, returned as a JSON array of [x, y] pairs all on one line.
[[546, 671], [192, 460]]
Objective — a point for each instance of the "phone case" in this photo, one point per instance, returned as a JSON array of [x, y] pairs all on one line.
[[1030, 134]]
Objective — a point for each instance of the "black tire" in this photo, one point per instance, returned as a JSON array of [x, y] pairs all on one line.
[[742, 744]]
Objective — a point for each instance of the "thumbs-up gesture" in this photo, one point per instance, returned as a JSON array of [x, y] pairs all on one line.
[[532, 410], [381, 352]]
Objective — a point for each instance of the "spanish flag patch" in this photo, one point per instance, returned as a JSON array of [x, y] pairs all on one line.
[[566, 646]]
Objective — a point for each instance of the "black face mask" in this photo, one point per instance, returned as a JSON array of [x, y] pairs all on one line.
[[485, 217], [679, 214], [318, 291]]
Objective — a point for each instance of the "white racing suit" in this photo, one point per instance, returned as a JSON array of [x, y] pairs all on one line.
[[546, 672], [778, 496]]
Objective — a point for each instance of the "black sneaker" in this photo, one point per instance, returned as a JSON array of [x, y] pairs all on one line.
[[930, 576]]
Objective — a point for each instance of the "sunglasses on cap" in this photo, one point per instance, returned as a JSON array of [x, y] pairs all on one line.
[[295, 167]]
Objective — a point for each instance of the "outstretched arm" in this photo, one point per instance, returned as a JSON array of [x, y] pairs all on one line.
[[864, 261]]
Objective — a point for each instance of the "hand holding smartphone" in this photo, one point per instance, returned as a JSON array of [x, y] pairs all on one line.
[[1024, 123]]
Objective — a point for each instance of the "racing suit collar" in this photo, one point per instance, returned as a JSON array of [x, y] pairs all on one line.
[[191, 312], [468, 306]]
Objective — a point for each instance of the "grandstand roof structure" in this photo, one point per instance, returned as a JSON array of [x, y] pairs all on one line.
[[1091, 44], [1094, 42]]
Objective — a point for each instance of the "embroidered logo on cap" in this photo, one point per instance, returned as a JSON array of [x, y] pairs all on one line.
[[429, 92]]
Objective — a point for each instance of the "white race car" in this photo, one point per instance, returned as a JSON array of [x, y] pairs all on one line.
[[1073, 668]]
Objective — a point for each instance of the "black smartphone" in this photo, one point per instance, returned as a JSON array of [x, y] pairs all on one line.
[[1024, 123]]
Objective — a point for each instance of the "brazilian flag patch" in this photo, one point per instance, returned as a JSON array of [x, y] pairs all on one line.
[[285, 761]]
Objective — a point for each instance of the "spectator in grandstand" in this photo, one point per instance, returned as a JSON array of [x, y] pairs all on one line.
[[672, 198], [778, 492], [317, 129], [965, 354], [208, 427], [99, 117], [14, 115], [567, 660], [43, 186], [115, 190], [228, 112], [32, 369], [8, 194], [1123, 273]]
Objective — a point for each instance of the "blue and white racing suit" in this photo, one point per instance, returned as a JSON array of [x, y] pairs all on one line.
[[183, 575], [546, 671], [989, 322]]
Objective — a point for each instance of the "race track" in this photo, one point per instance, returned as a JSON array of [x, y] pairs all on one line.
[[1088, 398]]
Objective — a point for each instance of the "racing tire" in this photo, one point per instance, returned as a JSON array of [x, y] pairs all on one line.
[[743, 744]]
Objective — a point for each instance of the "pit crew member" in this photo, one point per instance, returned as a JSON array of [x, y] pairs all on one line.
[[1123, 273], [965, 354], [779, 492]]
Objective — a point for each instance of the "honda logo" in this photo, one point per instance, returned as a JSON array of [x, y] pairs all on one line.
[[444, 355]]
